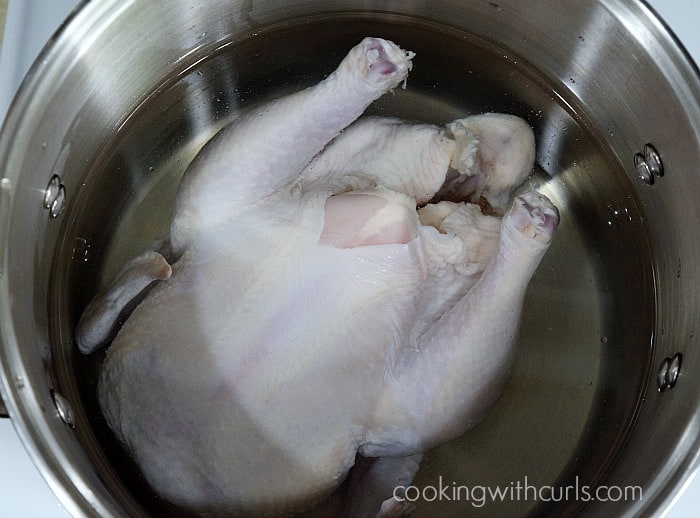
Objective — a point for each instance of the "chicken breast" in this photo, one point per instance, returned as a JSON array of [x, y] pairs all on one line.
[[314, 311]]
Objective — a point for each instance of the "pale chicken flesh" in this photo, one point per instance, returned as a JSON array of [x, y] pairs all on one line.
[[320, 306]]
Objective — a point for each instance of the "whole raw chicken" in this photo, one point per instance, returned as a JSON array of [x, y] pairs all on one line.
[[313, 312]]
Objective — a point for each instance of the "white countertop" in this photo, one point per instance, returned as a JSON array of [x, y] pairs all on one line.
[[30, 23]]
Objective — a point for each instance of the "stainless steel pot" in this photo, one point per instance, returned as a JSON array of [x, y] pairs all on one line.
[[121, 99]]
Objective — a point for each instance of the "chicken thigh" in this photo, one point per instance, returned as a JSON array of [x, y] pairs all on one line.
[[314, 312]]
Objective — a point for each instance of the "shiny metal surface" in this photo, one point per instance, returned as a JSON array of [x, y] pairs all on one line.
[[64, 408], [129, 91]]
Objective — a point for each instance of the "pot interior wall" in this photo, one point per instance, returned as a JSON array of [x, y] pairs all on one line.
[[587, 328]]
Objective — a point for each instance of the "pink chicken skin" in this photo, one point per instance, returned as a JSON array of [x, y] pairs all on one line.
[[320, 306]]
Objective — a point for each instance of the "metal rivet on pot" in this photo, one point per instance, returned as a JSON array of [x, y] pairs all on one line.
[[669, 370], [52, 191], [648, 164], [643, 169], [65, 411], [653, 160], [55, 197], [661, 375], [59, 203], [674, 369]]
